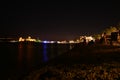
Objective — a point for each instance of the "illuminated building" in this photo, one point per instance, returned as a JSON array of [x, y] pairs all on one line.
[[21, 39], [27, 39], [87, 38], [30, 39]]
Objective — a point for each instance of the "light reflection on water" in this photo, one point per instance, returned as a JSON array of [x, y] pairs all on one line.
[[20, 55], [45, 57], [27, 56], [30, 54]]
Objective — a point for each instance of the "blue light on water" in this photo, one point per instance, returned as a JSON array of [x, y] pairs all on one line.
[[45, 58]]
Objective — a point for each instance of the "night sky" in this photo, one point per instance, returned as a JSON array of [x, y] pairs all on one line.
[[57, 20]]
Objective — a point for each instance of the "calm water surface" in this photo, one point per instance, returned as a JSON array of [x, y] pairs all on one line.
[[20, 58]]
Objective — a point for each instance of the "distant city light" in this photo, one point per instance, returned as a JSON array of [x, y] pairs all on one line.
[[62, 42], [21, 39], [13, 41], [45, 41], [71, 41], [29, 39]]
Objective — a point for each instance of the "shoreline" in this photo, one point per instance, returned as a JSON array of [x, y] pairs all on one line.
[[79, 55]]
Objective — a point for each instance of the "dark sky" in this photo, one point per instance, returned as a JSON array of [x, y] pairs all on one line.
[[57, 20]]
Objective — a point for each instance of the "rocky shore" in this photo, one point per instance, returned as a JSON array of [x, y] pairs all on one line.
[[94, 62]]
